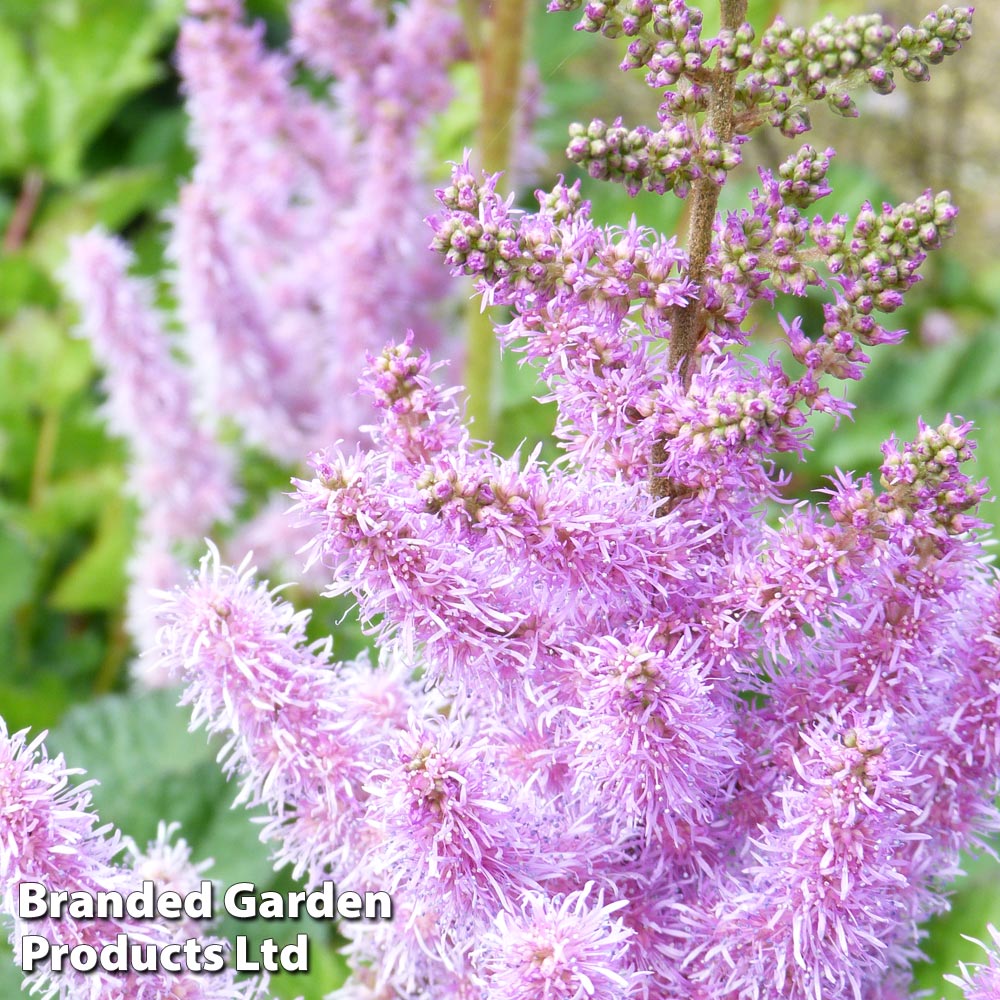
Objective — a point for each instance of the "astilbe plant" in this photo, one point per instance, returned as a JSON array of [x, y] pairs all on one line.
[[625, 736], [296, 244]]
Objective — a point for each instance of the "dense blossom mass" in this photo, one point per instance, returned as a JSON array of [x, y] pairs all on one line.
[[629, 733], [296, 244]]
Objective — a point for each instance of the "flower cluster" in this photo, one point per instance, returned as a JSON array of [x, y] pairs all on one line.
[[52, 836], [664, 752], [299, 239], [181, 478], [626, 737], [788, 68]]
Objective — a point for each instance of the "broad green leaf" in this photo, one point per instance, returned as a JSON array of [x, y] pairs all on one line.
[[150, 768], [112, 199], [977, 374], [96, 581], [611, 203], [89, 56], [10, 975], [17, 91], [523, 423]]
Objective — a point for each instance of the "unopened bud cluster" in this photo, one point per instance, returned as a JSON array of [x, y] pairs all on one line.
[[670, 159], [775, 78]]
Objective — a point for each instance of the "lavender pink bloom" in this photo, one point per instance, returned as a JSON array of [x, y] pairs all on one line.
[[626, 736]]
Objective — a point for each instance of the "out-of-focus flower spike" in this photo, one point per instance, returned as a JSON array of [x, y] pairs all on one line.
[[180, 477]]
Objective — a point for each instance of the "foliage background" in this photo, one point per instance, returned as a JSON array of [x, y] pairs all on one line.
[[93, 131]]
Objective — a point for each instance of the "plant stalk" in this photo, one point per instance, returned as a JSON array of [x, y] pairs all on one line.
[[687, 328], [501, 51], [24, 211]]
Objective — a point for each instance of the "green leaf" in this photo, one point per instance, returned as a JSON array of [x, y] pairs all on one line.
[[523, 422], [11, 976], [73, 500], [90, 55], [40, 364], [23, 283], [112, 199], [96, 581], [610, 203], [17, 92], [454, 129], [38, 703], [975, 905], [19, 559], [151, 768]]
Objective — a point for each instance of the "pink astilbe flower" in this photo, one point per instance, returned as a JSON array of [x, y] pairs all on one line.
[[626, 735], [981, 981], [301, 230], [246, 373], [298, 240], [823, 900], [288, 737], [181, 478], [260, 141], [449, 822], [650, 737], [51, 835], [566, 948]]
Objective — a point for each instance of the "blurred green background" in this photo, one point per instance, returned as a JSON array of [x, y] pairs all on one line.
[[92, 129]]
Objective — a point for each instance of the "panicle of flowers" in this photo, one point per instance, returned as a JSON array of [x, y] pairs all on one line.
[[181, 478], [787, 69], [52, 836], [627, 737], [650, 735], [579, 709], [579, 291], [298, 240], [288, 736], [463, 552], [826, 898], [301, 228], [147, 387]]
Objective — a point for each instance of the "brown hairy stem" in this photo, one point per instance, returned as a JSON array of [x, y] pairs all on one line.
[[687, 327]]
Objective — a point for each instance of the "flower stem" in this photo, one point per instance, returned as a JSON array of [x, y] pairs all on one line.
[[687, 323], [500, 55], [24, 211], [687, 327]]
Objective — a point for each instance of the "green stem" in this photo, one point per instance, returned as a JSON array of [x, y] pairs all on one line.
[[45, 452], [469, 12], [501, 51]]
